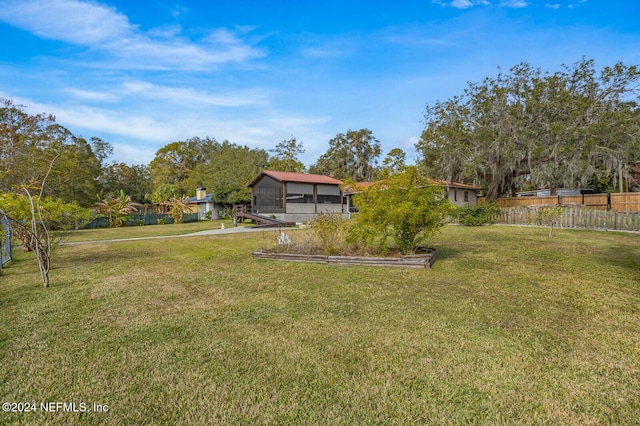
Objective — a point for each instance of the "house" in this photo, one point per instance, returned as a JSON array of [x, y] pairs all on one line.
[[559, 191], [459, 194], [203, 203], [294, 197]]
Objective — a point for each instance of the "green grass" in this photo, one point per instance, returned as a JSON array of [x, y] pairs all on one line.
[[145, 231], [508, 327]]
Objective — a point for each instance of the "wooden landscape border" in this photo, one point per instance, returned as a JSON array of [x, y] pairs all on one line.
[[422, 260]]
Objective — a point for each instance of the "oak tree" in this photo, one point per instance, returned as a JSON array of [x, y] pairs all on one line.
[[529, 128], [351, 156]]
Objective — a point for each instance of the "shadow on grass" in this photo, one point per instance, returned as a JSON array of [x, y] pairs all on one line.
[[448, 252], [621, 256]]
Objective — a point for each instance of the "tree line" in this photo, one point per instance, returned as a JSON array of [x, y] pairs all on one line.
[[78, 171], [529, 129], [523, 129]]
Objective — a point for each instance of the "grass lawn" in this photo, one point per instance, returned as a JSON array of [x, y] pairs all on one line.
[[145, 231], [508, 327]]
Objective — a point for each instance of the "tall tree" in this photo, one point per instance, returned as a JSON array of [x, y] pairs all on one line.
[[395, 161], [174, 162], [223, 168], [533, 128], [75, 175], [28, 143], [134, 180], [286, 157], [352, 156], [162, 193], [23, 138], [227, 169]]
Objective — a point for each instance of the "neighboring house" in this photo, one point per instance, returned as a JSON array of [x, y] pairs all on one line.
[[559, 191], [459, 194], [203, 203], [349, 192], [294, 197]]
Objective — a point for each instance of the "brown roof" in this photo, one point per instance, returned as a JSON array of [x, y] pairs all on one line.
[[455, 184], [359, 186], [295, 177]]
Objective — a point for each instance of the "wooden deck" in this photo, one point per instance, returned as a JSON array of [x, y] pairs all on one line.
[[243, 212]]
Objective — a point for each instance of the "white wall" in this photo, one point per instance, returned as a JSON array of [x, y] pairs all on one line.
[[457, 197]]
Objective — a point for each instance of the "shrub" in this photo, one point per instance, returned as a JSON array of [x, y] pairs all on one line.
[[477, 215], [404, 206], [329, 229]]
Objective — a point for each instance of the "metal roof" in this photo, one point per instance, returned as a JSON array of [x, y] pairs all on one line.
[[294, 177], [455, 184], [360, 186]]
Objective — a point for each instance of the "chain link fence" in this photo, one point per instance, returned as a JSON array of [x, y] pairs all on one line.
[[6, 241]]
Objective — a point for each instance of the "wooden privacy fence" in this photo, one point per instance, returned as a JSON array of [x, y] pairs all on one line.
[[573, 217], [617, 202]]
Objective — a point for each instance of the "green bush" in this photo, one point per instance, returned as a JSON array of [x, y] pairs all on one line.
[[329, 230], [403, 206], [477, 215]]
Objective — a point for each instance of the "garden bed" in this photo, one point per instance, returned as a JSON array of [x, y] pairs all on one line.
[[424, 258]]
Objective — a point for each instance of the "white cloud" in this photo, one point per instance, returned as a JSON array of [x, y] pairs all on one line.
[[104, 29], [116, 122], [137, 134], [555, 6], [90, 95], [465, 4], [516, 4], [320, 48], [189, 96], [130, 154], [178, 11], [142, 91], [101, 120], [67, 20], [461, 4]]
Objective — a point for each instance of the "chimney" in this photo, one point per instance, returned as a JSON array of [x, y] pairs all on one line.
[[201, 193]]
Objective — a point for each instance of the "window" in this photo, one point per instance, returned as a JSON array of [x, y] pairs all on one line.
[[301, 193], [267, 196], [329, 199], [299, 198], [329, 194], [466, 196], [455, 195]]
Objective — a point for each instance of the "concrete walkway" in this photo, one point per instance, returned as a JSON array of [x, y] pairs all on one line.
[[231, 230]]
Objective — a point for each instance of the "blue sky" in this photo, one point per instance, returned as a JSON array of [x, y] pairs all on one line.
[[142, 74]]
